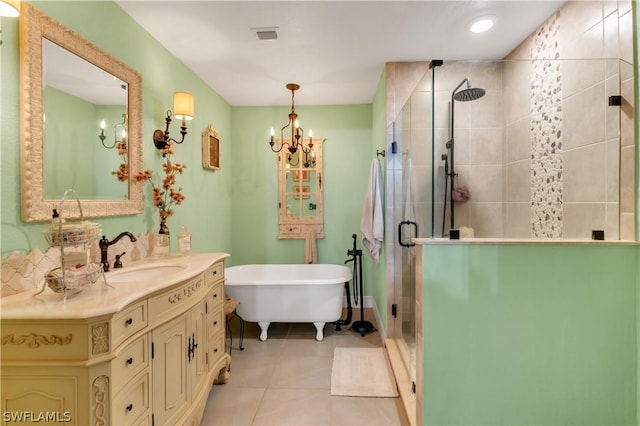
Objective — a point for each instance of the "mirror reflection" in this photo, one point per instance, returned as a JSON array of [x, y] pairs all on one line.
[[81, 104]]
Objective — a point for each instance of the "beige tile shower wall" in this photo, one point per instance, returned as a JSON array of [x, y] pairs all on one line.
[[401, 80], [597, 140], [420, 167], [517, 149], [627, 155], [585, 149], [517, 142], [599, 181], [479, 148]]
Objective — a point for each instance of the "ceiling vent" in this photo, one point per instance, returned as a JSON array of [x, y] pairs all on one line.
[[268, 33]]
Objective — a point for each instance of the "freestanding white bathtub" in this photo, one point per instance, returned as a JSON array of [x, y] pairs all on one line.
[[288, 293]]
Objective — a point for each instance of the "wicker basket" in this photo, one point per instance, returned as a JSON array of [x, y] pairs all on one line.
[[72, 233], [73, 281]]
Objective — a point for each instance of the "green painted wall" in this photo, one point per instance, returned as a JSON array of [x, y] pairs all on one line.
[[517, 334], [207, 208], [347, 156]]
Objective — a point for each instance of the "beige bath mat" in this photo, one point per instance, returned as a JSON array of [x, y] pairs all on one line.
[[362, 372]]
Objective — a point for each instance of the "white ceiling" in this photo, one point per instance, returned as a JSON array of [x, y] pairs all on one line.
[[335, 50]]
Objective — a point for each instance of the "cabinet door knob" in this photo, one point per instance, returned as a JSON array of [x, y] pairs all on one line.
[[215, 323], [215, 295], [215, 272], [129, 361], [129, 407], [128, 322], [215, 351]]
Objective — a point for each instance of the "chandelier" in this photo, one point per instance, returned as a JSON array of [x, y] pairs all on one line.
[[297, 133]]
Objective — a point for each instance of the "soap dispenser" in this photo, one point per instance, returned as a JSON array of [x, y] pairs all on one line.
[[184, 240], [55, 220]]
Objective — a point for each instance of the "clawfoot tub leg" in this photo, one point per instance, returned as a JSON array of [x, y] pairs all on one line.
[[319, 329], [264, 326]]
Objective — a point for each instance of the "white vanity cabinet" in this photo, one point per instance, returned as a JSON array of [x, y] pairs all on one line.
[[91, 362]]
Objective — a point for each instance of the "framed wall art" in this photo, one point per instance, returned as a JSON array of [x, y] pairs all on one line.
[[210, 149]]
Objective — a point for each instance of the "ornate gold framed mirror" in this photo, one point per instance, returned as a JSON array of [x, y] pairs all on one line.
[[110, 190]]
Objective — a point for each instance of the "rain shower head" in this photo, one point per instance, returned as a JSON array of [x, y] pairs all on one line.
[[468, 94]]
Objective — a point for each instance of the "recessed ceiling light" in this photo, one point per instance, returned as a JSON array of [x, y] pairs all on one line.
[[482, 24]]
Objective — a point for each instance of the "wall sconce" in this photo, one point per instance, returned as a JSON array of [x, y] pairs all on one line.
[[10, 8], [123, 133], [182, 109], [297, 132]]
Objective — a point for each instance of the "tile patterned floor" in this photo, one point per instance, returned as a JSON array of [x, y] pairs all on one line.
[[286, 380]]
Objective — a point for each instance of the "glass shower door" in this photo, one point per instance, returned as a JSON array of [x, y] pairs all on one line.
[[412, 210]]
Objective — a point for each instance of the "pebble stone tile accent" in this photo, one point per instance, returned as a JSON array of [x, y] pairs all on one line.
[[546, 132]]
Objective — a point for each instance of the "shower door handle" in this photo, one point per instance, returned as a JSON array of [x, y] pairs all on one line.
[[415, 229]]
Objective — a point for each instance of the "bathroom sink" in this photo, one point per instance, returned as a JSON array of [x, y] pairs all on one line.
[[143, 273]]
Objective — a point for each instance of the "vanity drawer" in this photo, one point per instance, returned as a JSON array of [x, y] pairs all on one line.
[[216, 345], [216, 320], [215, 273], [130, 320], [132, 401], [133, 359], [176, 300], [216, 296]]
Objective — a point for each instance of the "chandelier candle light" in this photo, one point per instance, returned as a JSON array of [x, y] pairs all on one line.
[[297, 132]]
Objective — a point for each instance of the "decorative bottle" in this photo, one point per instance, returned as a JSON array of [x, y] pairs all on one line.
[[162, 244], [184, 240]]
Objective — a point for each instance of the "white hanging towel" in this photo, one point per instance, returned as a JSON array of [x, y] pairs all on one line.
[[310, 248], [372, 224]]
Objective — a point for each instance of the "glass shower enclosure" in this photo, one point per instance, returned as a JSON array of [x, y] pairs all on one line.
[[545, 151]]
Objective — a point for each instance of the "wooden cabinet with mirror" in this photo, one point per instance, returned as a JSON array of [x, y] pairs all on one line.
[[301, 187]]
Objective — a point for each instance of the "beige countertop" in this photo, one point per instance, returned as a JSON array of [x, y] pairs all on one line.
[[104, 299]]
